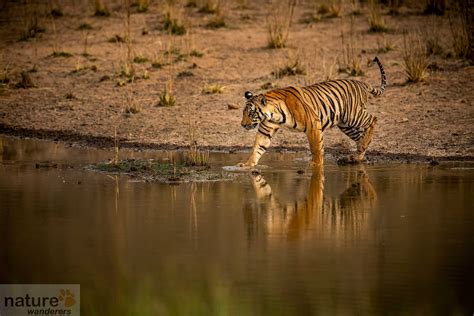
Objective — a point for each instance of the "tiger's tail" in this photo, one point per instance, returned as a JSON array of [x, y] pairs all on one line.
[[379, 91]]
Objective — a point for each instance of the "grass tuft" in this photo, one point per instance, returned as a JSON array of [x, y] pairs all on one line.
[[185, 73], [172, 20], [166, 98], [279, 23], [32, 28], [100, 9], [461, 26], [196, 158], [216, 22], [61, 54], [195, 53], [213, 89], [384, 45], [210, 7], [292, 68], [117, 39], [140, 60], [414, 58], [85, 27], [142, 6], [26, 82], [376, 22]]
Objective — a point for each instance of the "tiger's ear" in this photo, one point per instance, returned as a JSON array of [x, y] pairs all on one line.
[[263, 101], [248, 95]]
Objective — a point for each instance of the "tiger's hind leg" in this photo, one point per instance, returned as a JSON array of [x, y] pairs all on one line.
[[362, 135]]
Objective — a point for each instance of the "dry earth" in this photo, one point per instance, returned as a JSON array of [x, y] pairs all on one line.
[[429, 119]]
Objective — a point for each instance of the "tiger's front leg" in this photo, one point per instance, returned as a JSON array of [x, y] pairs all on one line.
[[315, 139], [265, 132]]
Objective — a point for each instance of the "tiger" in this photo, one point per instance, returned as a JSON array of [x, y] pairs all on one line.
[[313, 109]]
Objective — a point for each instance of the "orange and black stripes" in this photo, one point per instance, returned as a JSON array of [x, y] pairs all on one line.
[[313, 109]]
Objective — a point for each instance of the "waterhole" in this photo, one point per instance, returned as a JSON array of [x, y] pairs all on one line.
[[356, 240]]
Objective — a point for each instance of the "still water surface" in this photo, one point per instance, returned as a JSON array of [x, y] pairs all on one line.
[[363, 240]]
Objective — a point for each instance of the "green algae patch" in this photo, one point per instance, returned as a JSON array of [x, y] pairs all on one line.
[[150, 170]]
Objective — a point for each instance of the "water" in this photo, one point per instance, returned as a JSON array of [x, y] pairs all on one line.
[[364, 240]]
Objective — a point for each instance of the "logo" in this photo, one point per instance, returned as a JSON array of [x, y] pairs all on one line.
[[39, 299]]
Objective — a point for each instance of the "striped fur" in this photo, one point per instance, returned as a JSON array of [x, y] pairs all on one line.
[[312, 110]]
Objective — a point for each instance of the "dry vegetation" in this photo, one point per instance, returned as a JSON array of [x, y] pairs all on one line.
[[140, 63]]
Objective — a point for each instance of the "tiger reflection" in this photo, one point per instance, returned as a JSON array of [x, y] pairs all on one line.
[[345, 215]]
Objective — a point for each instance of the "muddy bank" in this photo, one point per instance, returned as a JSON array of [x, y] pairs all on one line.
[[104, 142]]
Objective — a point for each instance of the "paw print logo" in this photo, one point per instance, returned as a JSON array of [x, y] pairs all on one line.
[[67, 297]]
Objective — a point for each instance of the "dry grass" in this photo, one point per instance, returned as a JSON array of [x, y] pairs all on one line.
[[414, 57], [167, 98], [142, 6], [385, 45], [279, 23], [216, 22], [173, 19], [26, 81], [376, 22], [194, 157], [4, 75], [214, 88], [85, 38], [211, 7], [351, 62], [461, 26], [116, 158], [293, 66], [125, 74], [31, 25], [432, 35], [85, 27], [128, 33], [329, 9], [157, 60], [132, 106], [329, 69], [100, 9]]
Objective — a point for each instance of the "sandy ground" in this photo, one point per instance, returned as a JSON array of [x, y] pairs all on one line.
[[430, 119]]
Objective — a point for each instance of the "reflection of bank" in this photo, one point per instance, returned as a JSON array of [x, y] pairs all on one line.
[[341, 217]]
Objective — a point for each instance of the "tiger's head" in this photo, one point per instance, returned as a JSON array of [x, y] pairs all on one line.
[[256, 110]]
